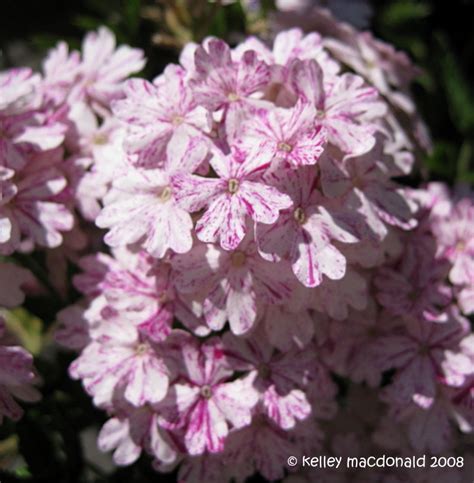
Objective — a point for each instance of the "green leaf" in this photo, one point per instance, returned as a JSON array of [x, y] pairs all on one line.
[[405, 11], [465, 156], [132, 15], [84, 22], [457, 89], [441, 160], [27, 327]]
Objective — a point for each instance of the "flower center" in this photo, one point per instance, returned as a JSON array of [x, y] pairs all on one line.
[[264, 371], [141, 349], [233, 186], [320, 114], [206, 392], [460, 246], [424, 350], [232, 96], [100, 139], [238, 258], [299, 215], [285, 147], [166, 194], [370, 64], [177, 120], [357, 182]]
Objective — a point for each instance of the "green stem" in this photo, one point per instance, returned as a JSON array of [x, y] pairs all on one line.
[[462, 165]]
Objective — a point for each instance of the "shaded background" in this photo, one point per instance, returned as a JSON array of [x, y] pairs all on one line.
[[53, 437]]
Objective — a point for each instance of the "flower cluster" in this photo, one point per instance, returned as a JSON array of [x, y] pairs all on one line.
[[48, 135], [260, 250]]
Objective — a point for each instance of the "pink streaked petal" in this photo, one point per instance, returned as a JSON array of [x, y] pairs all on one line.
[[123, 62], [193, 193], [307, 81], [43, 137], [263, 203], [43, 222], [286, 410], [236, 400], [241, 310], [224, 220], [253, 74], [214, 308], [147, 381], [207, 429], [349, 137], [170, 229], [97, 47], [185, 153], [307, 259]]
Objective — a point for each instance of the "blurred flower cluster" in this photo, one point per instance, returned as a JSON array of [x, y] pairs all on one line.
[[268, 287]]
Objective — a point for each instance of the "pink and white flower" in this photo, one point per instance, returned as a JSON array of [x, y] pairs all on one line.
[[417, 352], [203, 403], [103, 68], [132, 430], [154, 113], [290, 135], [279, 378], [144, 205], [231, 87], [231, 283], [347, 107], [238, 194], [455, 237], [28, 207], [306, 233], [414, 287], [118, 359]]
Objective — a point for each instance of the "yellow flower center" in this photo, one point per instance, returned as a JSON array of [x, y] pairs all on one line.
[[100, 138], [285, 147], [233, 186], [238, 258], [166, 194], [206, 392], [177, 120], [141, 349], [299, 215]]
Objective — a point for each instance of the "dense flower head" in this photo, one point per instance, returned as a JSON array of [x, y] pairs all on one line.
[[254, 186], [260, 244], [258, 248]]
